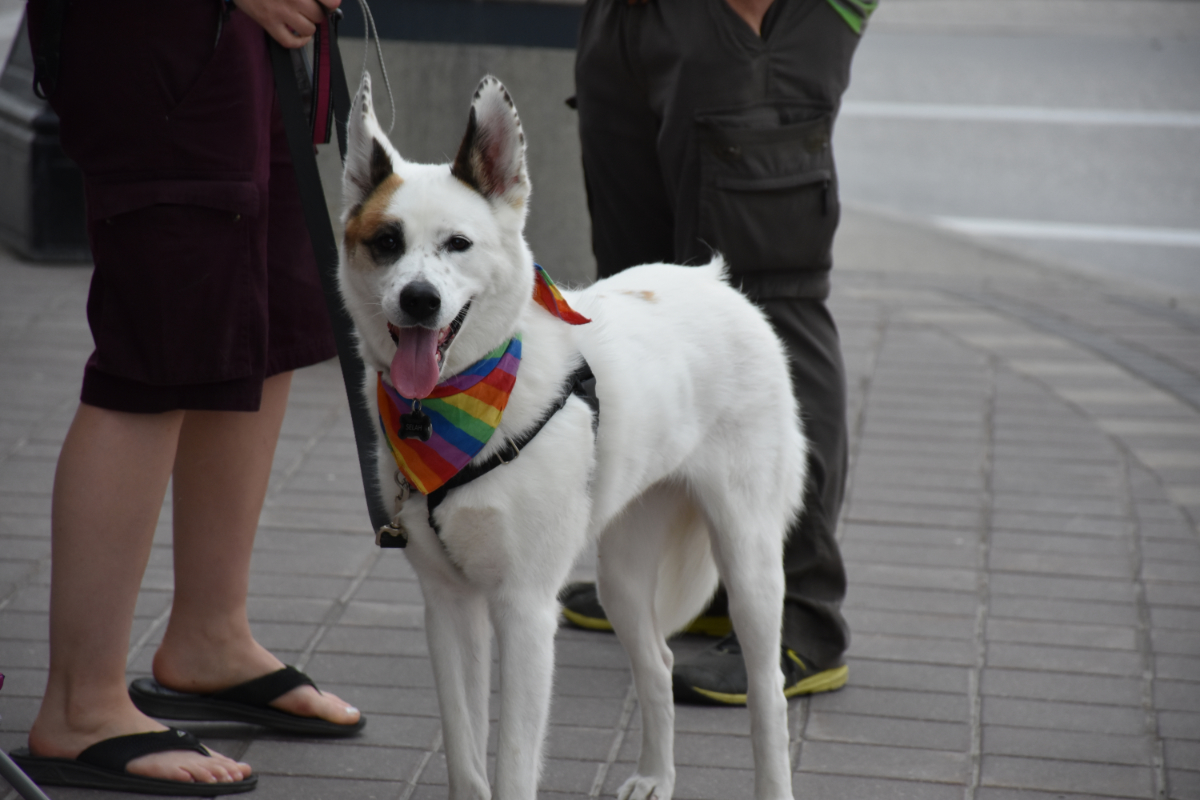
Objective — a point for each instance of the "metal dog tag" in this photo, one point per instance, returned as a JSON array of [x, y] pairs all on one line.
[[416, 425]]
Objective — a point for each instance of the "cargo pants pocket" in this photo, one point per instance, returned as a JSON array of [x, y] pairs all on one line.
[[173, 289], [768, 194]]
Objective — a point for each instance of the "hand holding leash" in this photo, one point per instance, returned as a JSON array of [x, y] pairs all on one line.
[[289, 22]]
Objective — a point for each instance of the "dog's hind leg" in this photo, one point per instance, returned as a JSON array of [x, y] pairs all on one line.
[[748, 548], [525, 622], [630, 570], [456, 624]]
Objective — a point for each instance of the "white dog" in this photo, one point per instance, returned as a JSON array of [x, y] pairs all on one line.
[[695, 469]]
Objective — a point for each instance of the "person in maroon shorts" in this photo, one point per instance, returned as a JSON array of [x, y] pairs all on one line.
[[205, 297]]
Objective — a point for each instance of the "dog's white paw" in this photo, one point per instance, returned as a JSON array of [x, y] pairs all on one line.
[[646, 787]]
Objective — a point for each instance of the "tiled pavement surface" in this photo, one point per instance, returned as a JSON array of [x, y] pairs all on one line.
[[1020, 529]]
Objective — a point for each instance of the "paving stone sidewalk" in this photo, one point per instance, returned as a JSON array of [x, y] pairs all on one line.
[[1020, 529]]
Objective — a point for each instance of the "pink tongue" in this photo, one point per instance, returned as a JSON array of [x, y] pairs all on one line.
[[415, 365]]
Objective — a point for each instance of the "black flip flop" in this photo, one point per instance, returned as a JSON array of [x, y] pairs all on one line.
[[102, 766], [246, 702]]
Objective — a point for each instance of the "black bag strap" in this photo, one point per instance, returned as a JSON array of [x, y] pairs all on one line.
[[320, 230]]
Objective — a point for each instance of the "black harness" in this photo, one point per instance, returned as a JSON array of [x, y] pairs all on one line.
[[581, 383]]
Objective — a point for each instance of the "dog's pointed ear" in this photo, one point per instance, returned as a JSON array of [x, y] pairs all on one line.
[[369, 154], [491, 158]]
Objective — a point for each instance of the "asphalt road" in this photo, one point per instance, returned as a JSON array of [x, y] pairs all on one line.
[[1067, 131]]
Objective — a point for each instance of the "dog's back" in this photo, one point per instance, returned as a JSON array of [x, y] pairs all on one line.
[[695, 402], [690, 374]]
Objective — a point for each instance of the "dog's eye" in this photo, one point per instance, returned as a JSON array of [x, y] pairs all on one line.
[[457, 243], [386, 243]]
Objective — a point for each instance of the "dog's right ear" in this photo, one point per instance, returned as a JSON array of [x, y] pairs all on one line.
[[369, 154]]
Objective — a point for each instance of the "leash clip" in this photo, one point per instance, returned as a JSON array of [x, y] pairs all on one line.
[[394, 535], [404, 488]]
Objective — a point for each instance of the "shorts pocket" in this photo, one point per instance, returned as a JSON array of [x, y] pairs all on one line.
[[768, 194], [174, 291]]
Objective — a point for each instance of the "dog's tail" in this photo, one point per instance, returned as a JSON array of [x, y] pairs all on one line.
[[718, 268]]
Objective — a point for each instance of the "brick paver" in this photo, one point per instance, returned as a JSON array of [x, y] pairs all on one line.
[[1020, 530]]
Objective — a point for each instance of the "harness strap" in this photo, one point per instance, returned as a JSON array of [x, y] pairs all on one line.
[[581, 383]]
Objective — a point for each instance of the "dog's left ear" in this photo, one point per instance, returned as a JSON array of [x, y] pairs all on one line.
[[491, 158]]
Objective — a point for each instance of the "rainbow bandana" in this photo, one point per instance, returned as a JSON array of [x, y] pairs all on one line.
[[547, 295], [463, 411], [433, 438]]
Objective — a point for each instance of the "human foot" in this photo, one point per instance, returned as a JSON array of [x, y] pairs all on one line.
[[54, 737], [252, 702], [309, 701], [272, 695]]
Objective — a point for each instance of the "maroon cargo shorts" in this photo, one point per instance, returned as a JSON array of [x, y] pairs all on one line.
[[205, 281]]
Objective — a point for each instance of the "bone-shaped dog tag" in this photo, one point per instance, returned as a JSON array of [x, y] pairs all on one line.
[[416, 425]]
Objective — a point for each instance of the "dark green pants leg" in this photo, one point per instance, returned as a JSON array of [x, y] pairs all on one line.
[[649, 78], [813, 625]]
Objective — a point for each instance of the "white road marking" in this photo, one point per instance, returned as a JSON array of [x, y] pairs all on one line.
[[1074, 232], [953, 112]]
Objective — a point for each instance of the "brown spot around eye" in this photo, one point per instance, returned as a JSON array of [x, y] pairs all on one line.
[[367, 218], [645, 294]]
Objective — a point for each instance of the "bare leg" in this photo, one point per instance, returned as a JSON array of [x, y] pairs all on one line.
[[108, 490], [221, 473]]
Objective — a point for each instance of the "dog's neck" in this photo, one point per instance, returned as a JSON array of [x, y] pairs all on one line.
[[545, 293], [434, 438]]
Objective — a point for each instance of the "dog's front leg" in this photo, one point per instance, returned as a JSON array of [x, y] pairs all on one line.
[[525, 627], [456, 626]]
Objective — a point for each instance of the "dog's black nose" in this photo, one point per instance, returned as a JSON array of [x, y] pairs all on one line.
[[420, 301]]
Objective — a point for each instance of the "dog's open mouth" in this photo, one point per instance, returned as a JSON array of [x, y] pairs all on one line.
[[420, 353]]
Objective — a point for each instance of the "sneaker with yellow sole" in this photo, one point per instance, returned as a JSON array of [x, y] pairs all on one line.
[[717, 676], [581, 608]]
